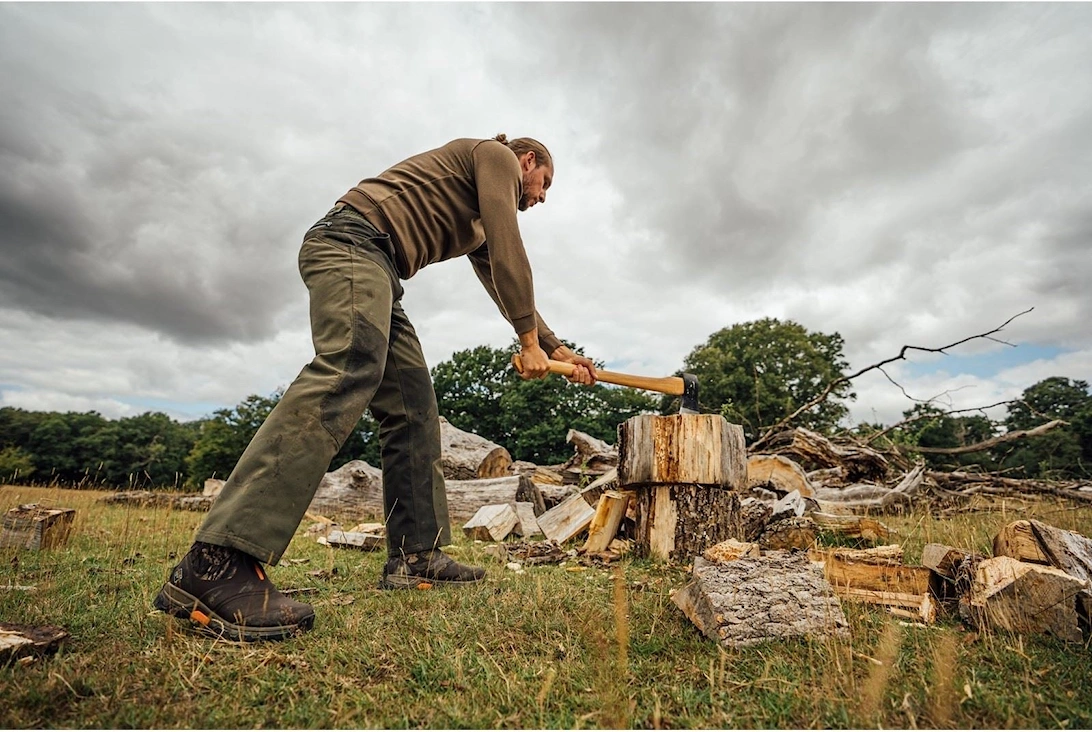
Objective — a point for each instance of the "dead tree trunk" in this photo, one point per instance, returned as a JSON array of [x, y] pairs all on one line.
[[684, 469], [466, 456]]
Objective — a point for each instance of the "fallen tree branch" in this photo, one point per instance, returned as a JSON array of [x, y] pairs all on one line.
[[879, 365], [990, 443]]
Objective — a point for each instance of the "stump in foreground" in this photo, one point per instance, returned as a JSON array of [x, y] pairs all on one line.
[[683, 469]]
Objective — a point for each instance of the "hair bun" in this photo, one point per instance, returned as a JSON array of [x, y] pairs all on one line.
[[502, 138]]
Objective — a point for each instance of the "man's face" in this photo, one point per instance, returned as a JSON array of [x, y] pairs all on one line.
[[536, 180]]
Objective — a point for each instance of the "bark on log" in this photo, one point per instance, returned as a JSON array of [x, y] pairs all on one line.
[[1066, 550], [466, 456], [681, 448], [34, 527], [779, 474], [1017, 540], [752, 600], [677, 522], [790, 533], [730, 550], [465, 497], [23, 640]]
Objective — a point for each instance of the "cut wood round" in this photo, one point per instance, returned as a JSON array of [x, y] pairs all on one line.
[[466, 456], [679, 522], [681, 448], [354, 490]]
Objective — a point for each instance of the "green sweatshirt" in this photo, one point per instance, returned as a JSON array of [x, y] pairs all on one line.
[[451, 201]]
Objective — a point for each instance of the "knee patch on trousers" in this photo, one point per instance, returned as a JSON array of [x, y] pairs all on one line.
[[418, 395]]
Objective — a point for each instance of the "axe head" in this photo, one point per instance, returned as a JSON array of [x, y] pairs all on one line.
[[690, 395]]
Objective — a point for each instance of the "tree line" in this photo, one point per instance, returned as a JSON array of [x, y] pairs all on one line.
[[754, 374]]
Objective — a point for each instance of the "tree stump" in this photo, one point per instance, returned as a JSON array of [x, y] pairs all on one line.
[[683, 469]]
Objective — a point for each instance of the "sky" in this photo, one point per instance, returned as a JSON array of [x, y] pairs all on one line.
[[901, 174]]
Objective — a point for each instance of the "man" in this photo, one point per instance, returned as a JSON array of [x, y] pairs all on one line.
[[459, 199]]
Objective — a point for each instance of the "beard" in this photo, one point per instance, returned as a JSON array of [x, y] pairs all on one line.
[[524, 202]]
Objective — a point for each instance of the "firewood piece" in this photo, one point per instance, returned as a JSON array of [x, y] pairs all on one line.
[[528, 521], [730, 550], [538, 473], [754, 515], [212, 488], [367, 542], [552, 495], [492, 523], [677, 522], [161, 499], [1070, 552], [604, 524], [566, 519], [878, 570], [608, 481], [790, 533], [915, 606], [752, 600], [1018, 541], [528, 492], [17, 641], [854, 527], [467, 456], [34, 527], [681, 448], [946, 560], [465, 497], [1024, 598], [778, 473]]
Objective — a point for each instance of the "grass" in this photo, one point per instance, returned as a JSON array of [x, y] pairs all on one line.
[[550, 648]]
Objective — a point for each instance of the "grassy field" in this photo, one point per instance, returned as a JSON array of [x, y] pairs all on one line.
[[555, 647]]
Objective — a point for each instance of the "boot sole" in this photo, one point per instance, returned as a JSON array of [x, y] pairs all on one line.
[[181, 604], [404, 582]]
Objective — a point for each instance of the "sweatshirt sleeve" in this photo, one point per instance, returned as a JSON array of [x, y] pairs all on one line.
[[499, 184], [479, 259]]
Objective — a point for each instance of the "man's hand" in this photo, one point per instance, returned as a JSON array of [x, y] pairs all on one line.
[[534, 362], [585, 369]]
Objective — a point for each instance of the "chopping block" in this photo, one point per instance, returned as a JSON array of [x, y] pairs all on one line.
[[686, 470]]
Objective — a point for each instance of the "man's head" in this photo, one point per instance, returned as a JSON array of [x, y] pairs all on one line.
[[537, 166]]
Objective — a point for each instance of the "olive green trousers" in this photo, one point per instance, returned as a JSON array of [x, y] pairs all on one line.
[[367, 356]]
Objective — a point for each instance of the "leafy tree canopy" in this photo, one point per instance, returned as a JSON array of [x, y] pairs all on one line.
[[1064, 452], [757, 373]]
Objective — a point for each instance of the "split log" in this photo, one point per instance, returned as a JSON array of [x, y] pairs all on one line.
[[360, 540], [466, 456], [34, 527], [1017, 540], [853, 527], [877, 576], [492, 523], [1068, 551], [552, 495], [17, 641], [956, 567], [608, 481], [537, 473], [792, 505], [1024, 598], [752, 600], [161, 499], [920, 607], [789, 533], [779, 474], [528, 521], [608, 517], [567, 519]]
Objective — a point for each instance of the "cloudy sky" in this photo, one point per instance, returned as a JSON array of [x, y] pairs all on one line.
[[900, 174]]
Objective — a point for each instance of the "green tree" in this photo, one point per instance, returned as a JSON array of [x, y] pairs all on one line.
[[758, 373], [933, 427], [479, 391], [15, 464], [1064, 452]]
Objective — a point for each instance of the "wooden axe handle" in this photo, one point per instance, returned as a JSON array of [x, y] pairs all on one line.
[[672, 385]]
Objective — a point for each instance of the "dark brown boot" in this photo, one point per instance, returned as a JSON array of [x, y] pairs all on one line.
[[224, 592], [425, 569]]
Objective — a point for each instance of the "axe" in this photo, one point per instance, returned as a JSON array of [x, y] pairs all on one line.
[[685, 386]]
